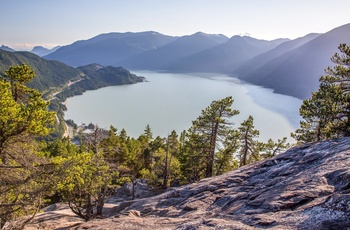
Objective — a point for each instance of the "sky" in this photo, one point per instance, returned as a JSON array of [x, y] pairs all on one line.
[[48, 23]]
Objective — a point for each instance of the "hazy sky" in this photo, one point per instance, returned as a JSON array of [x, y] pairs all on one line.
[[26, 23]]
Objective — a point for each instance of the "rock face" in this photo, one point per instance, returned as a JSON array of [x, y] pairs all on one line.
[[140, 189], [307, 187]]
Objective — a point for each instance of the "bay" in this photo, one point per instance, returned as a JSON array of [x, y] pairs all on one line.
[[172, 101]]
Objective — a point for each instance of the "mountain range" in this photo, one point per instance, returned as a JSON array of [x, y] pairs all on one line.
[[109, 49], [290, 67], [296, 72], [150, 50], [167, 55], [225, 57]]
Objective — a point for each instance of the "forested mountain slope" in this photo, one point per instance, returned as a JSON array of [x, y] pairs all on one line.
[[296, 72], [167, 55], [48, 73], [225, 57], [97, 76], [109, 49], [55, 74], [254, 63]]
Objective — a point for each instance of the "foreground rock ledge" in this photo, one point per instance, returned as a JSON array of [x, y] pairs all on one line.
[[307, 187]]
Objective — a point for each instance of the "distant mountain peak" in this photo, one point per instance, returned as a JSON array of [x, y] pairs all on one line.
[[42, 51], [110, 48], [209, 35], [6, 48], [39, 49]]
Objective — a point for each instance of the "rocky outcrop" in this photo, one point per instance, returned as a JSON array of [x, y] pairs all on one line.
[[139, 188], [307, 187]]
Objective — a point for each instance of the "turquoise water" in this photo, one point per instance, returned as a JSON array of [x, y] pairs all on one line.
[[171, 101]]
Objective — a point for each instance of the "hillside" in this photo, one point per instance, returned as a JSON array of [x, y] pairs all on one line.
[[254, 63], [296, 72], [97, 76], [54, 74], [306, 187], [109, 49], [225, 57], [48, 73], [163, 57]]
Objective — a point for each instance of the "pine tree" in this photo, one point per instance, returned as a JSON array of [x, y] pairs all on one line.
[[192, 155], [148, 132], [224, 158], [211, 127], [24, 170], [272, 148], [146, 139], [171, 170], [327, 113], [83, 178], [320, 114], [249, 147]]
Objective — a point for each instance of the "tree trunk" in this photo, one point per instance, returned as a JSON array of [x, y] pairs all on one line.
[[347, 128], [245, 150], [165, 173], [210, 163], [89, 208], [101, 201], [133, 183], [318, 135]]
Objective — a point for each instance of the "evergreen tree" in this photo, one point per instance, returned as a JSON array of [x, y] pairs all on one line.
[[192, 155], [320, 114], [249, 147], [212, 126], [171, 169], [327, 113], [148, 132], [83, 180], [24, 170], [224, 159], [146, 139], [272, 148]]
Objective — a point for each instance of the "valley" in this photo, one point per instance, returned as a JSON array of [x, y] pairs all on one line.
[[290, 67], [143, 130]]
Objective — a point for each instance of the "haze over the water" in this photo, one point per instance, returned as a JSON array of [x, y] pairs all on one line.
[[25, 24]]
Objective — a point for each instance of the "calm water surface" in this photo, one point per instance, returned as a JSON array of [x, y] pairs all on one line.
[[171, 101]]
